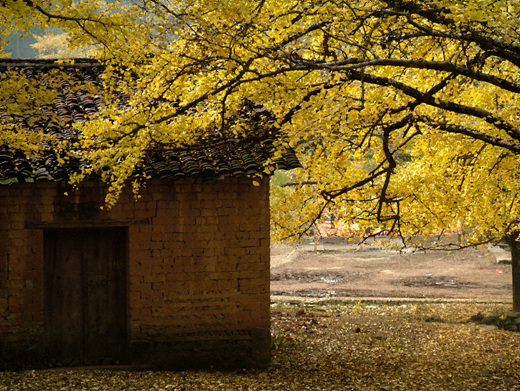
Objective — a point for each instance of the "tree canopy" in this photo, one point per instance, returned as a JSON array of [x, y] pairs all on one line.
[[404, 112]]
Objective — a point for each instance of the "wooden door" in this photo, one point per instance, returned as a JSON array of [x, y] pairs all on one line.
[[85, 296]]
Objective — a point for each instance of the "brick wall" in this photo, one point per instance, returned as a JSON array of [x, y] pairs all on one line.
[[197, 267]]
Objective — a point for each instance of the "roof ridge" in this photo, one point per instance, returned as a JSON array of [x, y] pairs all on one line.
[[48, 62]]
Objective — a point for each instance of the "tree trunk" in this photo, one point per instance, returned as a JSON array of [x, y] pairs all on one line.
[[514, 245]]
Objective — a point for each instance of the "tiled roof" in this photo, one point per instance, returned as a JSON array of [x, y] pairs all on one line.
[[228, 157]]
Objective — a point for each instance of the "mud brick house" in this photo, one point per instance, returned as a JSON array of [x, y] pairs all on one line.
[[178, 278]]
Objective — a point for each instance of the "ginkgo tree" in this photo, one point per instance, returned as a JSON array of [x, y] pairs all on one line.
[[404, 112]]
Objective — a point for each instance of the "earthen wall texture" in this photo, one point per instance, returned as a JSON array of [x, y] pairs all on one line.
[[197, 266]]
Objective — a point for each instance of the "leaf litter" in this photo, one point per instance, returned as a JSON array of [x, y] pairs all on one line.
[[337, 347]]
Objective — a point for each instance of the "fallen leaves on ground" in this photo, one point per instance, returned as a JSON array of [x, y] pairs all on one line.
[[337, 347]]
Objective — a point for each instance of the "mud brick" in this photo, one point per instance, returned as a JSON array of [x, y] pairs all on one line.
[[200, 239], [154, 278], [157, 266], [144, 214]]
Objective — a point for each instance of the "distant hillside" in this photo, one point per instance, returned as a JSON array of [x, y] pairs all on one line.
[[19, 47]]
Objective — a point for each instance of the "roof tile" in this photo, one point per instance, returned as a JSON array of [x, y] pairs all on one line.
[[230, 157]]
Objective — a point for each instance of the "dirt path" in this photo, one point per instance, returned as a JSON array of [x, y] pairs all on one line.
[[342, 270]]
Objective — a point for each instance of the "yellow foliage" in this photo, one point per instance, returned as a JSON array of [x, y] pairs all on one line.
[[404, 112]]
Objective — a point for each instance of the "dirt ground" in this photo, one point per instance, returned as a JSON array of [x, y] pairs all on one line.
[[338, 269]]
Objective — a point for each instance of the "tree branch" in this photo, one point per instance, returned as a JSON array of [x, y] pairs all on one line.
[[485, 115], [443, 66], [475, 134]]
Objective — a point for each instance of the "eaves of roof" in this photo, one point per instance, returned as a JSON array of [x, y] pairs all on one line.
[[215, 159]]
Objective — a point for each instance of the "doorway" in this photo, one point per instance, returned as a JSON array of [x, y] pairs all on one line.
[[85, 296]]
